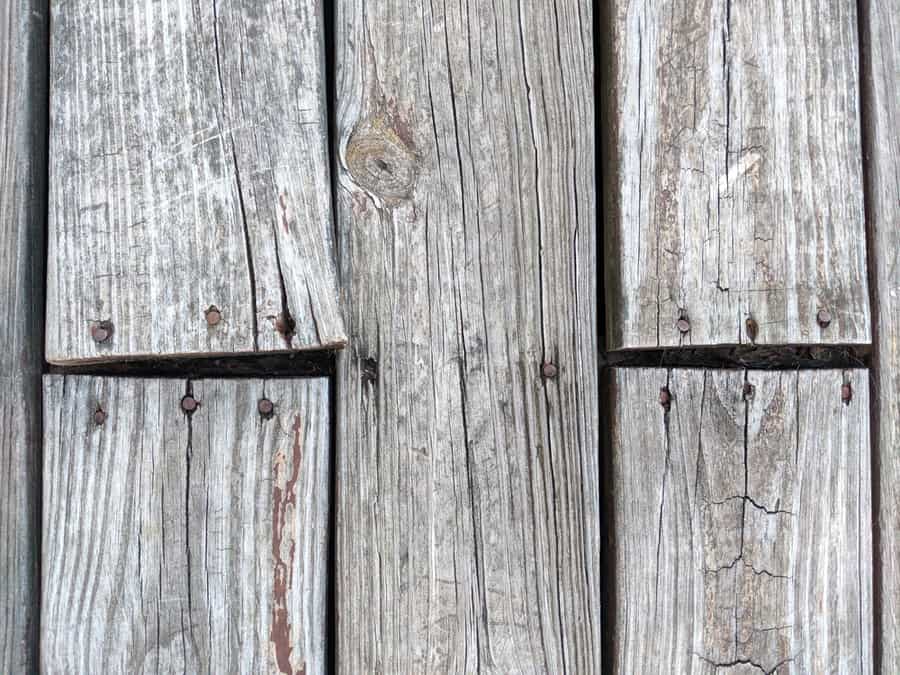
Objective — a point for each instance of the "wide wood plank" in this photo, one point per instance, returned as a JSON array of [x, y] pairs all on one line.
[[184, 543], [880, 23], [467, 493], [733, 187], [189, 173], [23, 130], [741, 519]]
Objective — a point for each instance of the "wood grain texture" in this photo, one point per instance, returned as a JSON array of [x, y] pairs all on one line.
[[880, 24], [732, 169], [467, 494], [23, 131], [184, 544], [188, 170], [741, 526]]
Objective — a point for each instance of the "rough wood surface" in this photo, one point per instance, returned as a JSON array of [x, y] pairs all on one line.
[[184, 544], [23, 130], [880, 22], [733, 186], [188, 170], [741, 532], [467, 494]]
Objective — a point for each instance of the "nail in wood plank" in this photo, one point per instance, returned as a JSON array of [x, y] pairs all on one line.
[[176, 543], [740, 522], [468, 499], [189, 171], [733, 185]]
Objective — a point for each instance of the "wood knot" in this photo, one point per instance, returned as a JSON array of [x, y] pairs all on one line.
[[382, 159]]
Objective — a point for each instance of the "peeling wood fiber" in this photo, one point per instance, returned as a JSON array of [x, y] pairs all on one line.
[[880, 23], [185, 543], [732, 171], [23, 131], [189, 170], [467, 483], [741, 533]]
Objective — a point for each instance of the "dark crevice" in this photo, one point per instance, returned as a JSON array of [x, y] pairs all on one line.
[[866, 99], [318, 363], [247, 246], [755, 357]]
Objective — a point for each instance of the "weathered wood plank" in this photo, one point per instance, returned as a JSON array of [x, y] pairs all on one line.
[[188, 170], [468, 500], [880, 38], [176, 543], [741, 522], [23, 130], [733, 186]]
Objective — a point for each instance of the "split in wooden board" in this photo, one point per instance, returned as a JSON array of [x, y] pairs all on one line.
[[741, 521], [732, 163], [188, 543], [190, 200]]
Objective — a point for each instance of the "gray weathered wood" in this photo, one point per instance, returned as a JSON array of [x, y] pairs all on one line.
[[188, 170], [467, 494], [176, 544], [23, 130], [732, 173], [741, 530], [880, 22]]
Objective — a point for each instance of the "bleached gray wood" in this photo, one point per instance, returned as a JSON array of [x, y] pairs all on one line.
[[732, 173], [880, 25], [176, 544], [741, 533], [23, 130], [188, 170], [467, 491]]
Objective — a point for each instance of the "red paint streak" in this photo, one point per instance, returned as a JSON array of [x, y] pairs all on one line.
[[284, 498], [284, 212]]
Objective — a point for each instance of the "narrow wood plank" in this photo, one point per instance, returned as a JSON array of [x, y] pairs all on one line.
[[468, 500], [188, 171], [880, 25], [732, 173], [176, 543], [23, 130], [741, 522]]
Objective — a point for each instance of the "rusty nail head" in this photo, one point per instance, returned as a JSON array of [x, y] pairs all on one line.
[[100, 331], [683, 324], [752, 329], [189, 404], [665, 397], [99, 417], [549, 370], [749, 390], [265, 407], [846, 393], [823, 318], [284, 324], [213, 316]]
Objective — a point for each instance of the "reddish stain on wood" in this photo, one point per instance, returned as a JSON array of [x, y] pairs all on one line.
[[284, 506]]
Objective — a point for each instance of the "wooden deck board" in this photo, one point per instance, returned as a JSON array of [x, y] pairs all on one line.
[[23, 130], [732, 167], [468, 498], [880, 23], [741, 522], [185, 544], [189, 171]]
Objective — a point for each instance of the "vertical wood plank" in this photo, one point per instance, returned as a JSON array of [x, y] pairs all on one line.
[[732, 173], [177, 543], [23, 129], [880, 25], [741, 532], [189, 171], [468, 500]]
